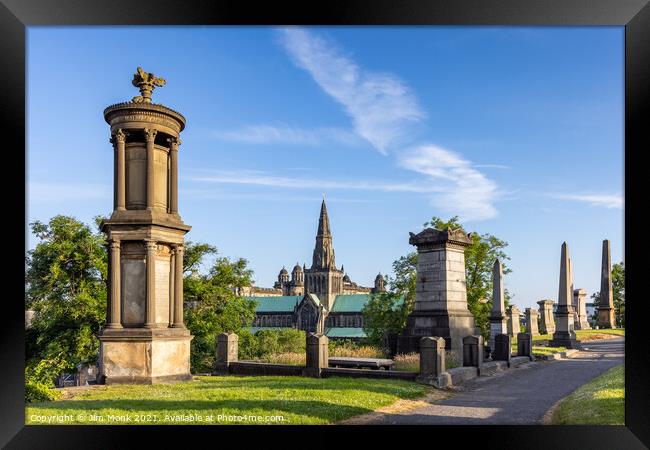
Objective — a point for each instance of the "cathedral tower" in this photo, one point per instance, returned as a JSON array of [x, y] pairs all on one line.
[[323, 278]]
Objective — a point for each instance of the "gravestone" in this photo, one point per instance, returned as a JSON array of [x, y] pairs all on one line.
[[580, 303], [606, 318], [546, 318], [227, 351], [564, 335], [502, 348], [531, 322], [514, 324], [432, 362], [317, 355], [473, 352], [440, 307], [498, 317], [525, 345]]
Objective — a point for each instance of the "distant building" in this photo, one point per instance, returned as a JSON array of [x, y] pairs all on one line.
[[320, 299]]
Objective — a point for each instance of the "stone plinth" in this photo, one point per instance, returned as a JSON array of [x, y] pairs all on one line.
[[473, 352], [317, 355], [531, 322], [564, 335], [142, 356], [514, 324], [606, 315], [432, 362], [525, 345], [502, 348], [546, 318], [227, 351], [441, 299], [581, 320]]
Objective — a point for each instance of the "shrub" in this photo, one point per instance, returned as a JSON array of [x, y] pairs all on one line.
[[294, 359], [352, 349], [39, 376], [265, 343], [409, 362]]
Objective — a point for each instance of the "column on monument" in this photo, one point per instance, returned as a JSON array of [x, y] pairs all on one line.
[[178, 287], [150, 312], [172, 284], [115, 297], [173, 179], [150, 136], [120, 176]]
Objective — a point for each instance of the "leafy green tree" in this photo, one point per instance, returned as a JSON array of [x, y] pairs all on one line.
[[214, 306], [618, 292], [65, 284], [479, 260], [384, 313]]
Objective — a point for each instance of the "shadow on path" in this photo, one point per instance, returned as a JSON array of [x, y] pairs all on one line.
[[519, 396]]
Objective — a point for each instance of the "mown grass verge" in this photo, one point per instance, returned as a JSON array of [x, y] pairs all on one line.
[[226, 400]]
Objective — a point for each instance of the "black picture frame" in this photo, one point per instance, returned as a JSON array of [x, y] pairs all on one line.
[[634, 15]]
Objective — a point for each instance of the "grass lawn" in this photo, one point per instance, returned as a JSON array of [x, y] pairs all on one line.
[[220, 400], [601, 401]]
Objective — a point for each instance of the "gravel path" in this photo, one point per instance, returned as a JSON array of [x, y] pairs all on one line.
[[518, 396]]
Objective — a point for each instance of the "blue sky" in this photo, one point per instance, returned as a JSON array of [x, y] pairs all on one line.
[[517, 130]]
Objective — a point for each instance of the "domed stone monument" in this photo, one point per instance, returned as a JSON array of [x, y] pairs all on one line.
[[145, 339]]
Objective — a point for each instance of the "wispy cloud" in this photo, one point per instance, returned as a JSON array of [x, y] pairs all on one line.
[[264, 179], [491, 166], [460, 188], [286, 134], [610, 201], [60, 192], [380, 105]]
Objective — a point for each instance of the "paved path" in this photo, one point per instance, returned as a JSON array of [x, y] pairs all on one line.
[[518, 396]]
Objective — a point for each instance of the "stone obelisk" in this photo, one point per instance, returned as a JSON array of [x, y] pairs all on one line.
[[440, 308], [564, 335], [606, 317], [498, 318], [145, 340]]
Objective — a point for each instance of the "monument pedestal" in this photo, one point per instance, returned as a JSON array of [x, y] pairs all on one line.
[[145, 356], [606, 318], [440, 308], [564, 335], [452, 326]]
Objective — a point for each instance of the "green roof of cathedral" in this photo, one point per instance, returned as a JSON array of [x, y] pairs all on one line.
[[345, 332], [350, 303], [285, 303]]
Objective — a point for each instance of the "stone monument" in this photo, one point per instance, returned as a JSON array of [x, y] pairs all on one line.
[[440, 308], [531, 322], [606, 317], [498, 317], [514, 324], [580, 304], [564, 335], [145, 339], [546, 318]]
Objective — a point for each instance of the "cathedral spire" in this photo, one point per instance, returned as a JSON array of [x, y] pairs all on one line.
[[324, 221], [323, 257]]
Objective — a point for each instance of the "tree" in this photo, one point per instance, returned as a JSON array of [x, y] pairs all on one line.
[[618, 292], [384, 313], [214, 306], [65, 285], [479, 260]]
